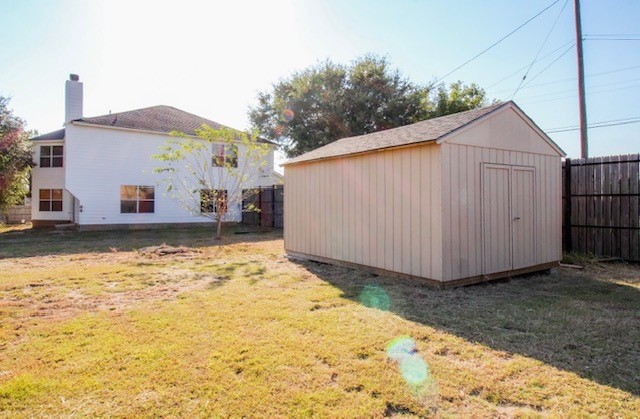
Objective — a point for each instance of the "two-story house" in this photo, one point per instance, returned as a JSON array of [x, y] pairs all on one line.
[[98, 172]]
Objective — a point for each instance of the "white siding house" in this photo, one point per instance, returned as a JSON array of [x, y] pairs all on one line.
[[106, 155], [50, 202]]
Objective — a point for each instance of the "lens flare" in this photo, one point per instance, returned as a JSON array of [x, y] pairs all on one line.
[[400, 348], [375, 297], [413, 367], [288, 115]]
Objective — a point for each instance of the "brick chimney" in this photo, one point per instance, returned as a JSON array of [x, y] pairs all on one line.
[[72, 98]]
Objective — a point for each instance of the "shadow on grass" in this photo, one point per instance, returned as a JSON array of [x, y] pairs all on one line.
[[569, 320], [41, 242]]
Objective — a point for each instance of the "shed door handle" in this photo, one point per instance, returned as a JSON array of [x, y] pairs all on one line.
[[516, 219]]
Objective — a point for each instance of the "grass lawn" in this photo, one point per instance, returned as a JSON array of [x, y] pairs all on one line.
[[89, 325]]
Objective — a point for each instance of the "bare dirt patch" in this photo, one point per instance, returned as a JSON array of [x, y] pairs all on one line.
[[117, 290], [164, 250]]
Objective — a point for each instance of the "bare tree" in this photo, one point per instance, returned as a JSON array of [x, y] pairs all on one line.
[[212, 172]]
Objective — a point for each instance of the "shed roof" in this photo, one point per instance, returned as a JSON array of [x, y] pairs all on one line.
[[423, 131]]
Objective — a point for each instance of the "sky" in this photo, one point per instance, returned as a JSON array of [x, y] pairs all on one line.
[[211, 58]]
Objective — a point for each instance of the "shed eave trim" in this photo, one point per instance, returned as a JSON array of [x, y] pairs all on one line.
[[520, 112], [360, 153], [539, 130], [471, 124]]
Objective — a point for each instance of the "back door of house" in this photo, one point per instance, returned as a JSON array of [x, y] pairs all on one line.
[[508, 217]]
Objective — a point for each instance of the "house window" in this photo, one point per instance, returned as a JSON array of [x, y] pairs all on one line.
[[50, 199], [51, 155], [225, 154], [136, 199], [212, 200]]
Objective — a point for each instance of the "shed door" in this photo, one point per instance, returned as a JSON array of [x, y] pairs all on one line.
[[507, 217], [522, 209], [496, 214]]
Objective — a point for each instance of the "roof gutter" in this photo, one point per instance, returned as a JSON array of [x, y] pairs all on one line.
[[85, 124]]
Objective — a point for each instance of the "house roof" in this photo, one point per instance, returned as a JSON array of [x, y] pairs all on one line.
[[423, 131], [159, 118], [55, 135]]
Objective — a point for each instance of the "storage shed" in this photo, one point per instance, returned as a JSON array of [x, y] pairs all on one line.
[[454, 200]]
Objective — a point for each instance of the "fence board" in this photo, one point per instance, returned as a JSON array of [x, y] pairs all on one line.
[[270, 202], [16, 214], [598, 206], [634, 207], [601, 205]]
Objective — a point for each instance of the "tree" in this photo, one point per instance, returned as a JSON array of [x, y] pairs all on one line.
[[212, 173], [15, 157], [457, 98], [328, 101], [378, 97], [304, 112]]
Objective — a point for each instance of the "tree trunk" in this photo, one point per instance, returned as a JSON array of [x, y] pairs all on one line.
[[219, 226]]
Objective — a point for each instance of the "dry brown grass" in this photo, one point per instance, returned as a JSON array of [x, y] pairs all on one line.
[[236, 329]]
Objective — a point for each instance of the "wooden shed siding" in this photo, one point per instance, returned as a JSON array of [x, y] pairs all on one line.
[[380, 209], [505, 130], [462, 242]]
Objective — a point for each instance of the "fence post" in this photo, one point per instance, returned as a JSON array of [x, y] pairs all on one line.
[[566, 217], [273, 206], [260, 214]]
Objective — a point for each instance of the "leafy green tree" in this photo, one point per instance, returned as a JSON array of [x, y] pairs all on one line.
[[305, 111], [213, 172], [378, 97], [15, 157], [457, 98], [328, 101]]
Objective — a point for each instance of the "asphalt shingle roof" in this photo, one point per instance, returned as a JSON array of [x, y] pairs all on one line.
[[55, 135], [156, 118], [159, 118], [423, 131]]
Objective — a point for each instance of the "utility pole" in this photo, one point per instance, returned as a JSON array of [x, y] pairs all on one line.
[[584, 144]]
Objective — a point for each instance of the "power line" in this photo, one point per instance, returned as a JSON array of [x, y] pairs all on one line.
[[601, 124], [613, 122], [612, 39], [591, 87], [614, 71], [574, 95], [495, 43], [522, 68], [619, 70], [550, 64], [613, 34], [539, 50]]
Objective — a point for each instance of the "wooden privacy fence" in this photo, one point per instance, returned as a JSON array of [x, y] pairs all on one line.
[[16, 214], [601, 208], [270, 202]]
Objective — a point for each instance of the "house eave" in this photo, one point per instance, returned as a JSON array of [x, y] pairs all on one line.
[[143, 131]]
